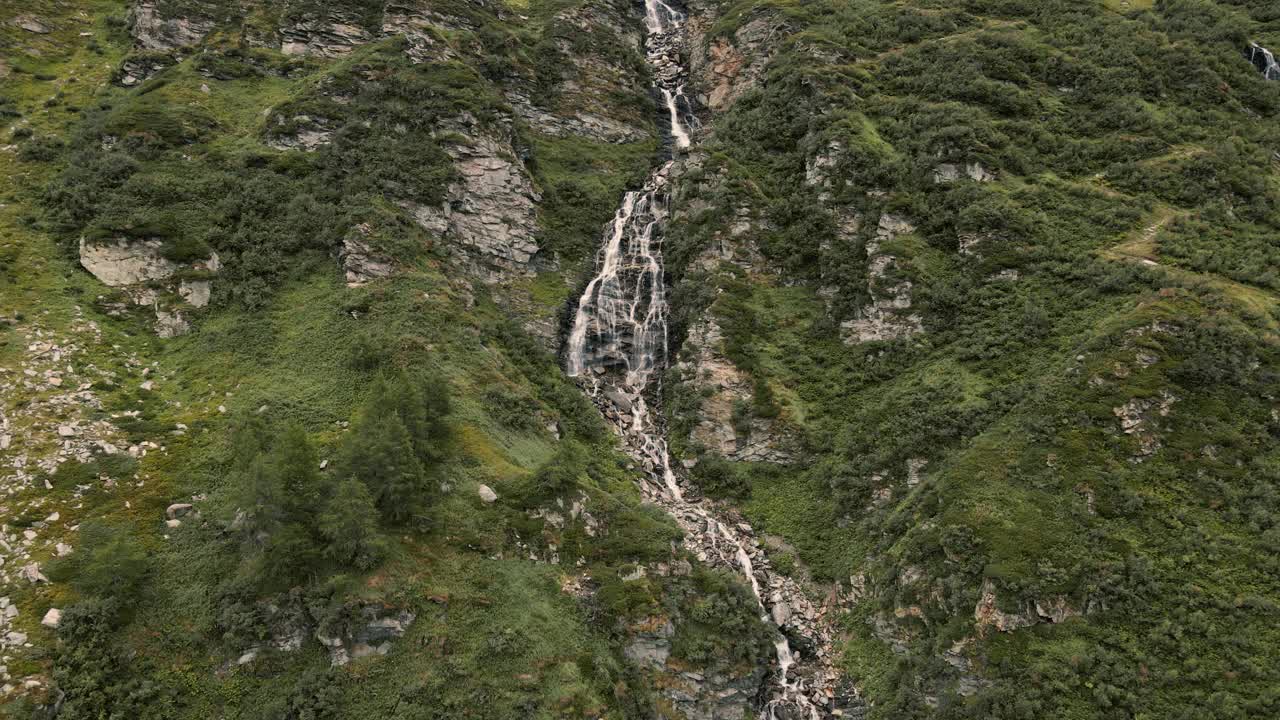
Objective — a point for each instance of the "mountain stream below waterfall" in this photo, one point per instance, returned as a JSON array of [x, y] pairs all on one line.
[[617, 348]]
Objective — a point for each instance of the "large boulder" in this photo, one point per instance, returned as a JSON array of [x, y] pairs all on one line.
[[126, 262], [140, 269]]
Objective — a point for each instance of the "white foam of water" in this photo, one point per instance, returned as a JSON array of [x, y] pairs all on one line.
[[678, 131], [622, 317], [1264, 60]]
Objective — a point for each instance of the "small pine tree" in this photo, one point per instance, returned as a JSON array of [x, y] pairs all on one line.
[[562, 472], [299, 469], [379, 452], [107, 564], [250, 437], [349, 525], [422, 407], [260, 495]]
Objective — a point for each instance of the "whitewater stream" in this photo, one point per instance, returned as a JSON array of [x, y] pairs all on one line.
[[1264, 61], [617, 348]]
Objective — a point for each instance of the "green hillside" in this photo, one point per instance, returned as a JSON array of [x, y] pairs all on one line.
[[975, 335]]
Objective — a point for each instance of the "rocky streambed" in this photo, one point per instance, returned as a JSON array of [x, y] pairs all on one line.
[[617, 348]]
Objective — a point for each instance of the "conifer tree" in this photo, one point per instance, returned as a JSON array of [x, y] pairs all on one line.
[[296, 463], [563, 470], [379, 452], [349, 525], [422, 406], [259, 500]]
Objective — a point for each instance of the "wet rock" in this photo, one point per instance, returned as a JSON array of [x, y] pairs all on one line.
[[620, 400], [1264, 60], [780, 612]]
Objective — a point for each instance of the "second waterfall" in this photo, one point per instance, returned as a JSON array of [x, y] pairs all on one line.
[[617, 348]]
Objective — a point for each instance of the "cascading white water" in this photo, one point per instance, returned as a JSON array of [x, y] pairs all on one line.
[[1265, 61], [618, 343]]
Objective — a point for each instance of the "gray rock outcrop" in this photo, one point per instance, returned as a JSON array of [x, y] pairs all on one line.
[[695, 695], [723, 387], [126, 262], [153, 29], [725, 68], [373, 635], [951, 172], [32, 24], [360, 261], [147, 278], [888, 316], [330, 33], [490, 213], [580, 123]]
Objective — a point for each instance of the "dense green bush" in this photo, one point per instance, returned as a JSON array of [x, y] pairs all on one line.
[[108, 563]]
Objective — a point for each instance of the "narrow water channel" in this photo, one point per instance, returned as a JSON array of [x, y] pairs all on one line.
[[617, 348]]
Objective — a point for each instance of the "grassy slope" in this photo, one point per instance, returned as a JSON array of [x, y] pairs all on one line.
[[1010, 394], [496, 635]]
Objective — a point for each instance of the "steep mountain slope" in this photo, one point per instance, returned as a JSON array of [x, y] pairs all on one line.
[[994, 278], [300, 412], [967, 373]]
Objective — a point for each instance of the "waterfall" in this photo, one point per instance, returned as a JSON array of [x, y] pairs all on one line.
[[1263, 60], [618, 344]]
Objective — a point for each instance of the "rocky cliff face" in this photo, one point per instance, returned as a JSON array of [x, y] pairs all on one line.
[[490, 215], [724, 389], [694, 695], [489, 218], [888, 316], [153, 28], [725, 67]]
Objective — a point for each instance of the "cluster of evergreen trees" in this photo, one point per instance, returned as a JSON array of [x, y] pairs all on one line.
[[294, 518]]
